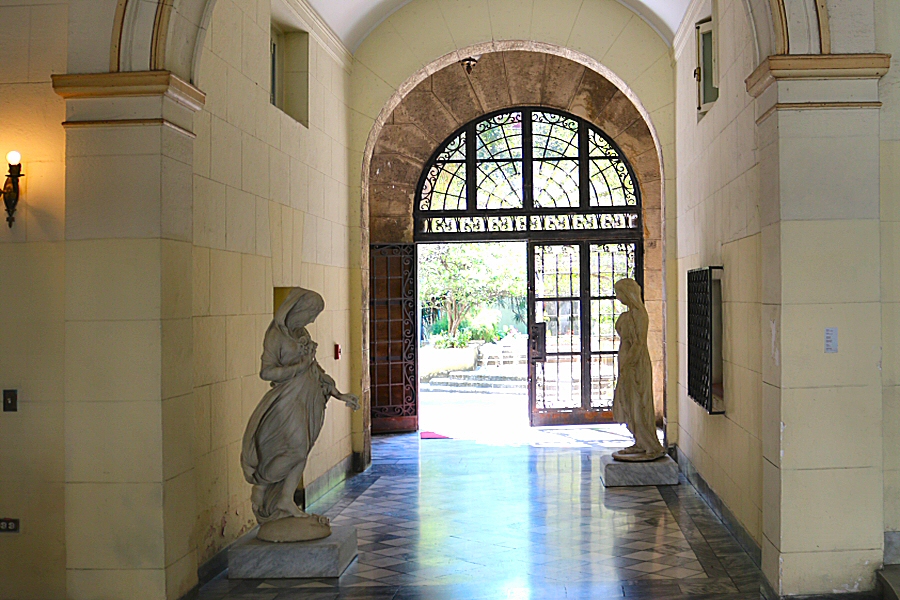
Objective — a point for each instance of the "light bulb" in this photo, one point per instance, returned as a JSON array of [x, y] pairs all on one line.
[[14, 158]]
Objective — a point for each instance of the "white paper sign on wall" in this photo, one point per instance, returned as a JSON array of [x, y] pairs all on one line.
[[831, 340]]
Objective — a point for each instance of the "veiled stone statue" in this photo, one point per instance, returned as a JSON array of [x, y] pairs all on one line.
[[633, 398], [287, 421]]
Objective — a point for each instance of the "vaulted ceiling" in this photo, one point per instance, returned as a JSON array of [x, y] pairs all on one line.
[[353, 20]]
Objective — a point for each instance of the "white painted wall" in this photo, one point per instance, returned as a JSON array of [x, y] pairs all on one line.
[[887, 34], [718, 223], [270, 210]]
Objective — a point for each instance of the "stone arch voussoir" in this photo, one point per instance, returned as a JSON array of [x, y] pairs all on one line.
[[448, 98], [444, 97]]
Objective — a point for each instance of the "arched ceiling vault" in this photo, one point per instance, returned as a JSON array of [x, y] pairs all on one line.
[[353, 20], [168, 34]]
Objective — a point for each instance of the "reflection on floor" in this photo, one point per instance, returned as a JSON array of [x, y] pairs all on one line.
[[494, 419], [457, 519]]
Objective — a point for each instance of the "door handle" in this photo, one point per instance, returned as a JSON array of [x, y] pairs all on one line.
[[537, 342]]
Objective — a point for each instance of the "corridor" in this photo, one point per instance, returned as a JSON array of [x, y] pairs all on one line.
[[455, 519]]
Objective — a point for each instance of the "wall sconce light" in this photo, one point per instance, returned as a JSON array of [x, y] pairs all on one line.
[[11, 187]]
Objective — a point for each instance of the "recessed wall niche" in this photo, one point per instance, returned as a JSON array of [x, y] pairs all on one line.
[[289, 65]]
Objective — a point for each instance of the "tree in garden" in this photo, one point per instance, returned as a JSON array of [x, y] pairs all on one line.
[[458, 278]]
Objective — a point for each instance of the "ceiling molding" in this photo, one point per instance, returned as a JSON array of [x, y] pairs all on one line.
[[656, 22], [303, 15], [697, 10]]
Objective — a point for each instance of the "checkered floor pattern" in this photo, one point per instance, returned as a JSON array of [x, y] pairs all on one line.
[[457, 519]]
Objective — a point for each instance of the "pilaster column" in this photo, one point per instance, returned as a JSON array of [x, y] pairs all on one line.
[[129, 479], [818, 141]]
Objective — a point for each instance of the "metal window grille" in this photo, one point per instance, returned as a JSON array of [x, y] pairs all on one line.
[[528, 174], [701, 335]]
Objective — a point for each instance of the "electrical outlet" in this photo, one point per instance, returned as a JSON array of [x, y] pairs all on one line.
[[10, 400], [9, 526]]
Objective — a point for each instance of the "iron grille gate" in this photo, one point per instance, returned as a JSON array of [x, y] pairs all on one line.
[[392, 339], [559, 183], [701, 337], [572, 309]]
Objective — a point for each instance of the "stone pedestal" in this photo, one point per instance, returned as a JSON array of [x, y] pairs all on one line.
[[250, 558], [662, 471]]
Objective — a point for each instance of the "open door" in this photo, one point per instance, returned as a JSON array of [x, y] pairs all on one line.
[[392, 338], [571, 321]]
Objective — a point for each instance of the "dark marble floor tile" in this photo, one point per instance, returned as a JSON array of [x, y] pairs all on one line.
[[710, 586], [307, 595], [646, 588]]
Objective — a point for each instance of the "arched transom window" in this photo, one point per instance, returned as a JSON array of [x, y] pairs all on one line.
[[527, 173]]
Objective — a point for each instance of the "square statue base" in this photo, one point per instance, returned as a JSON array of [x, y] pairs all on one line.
[[249, 558], [614, 473]]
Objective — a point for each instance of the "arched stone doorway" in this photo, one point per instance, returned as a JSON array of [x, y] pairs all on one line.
[[508, 76]]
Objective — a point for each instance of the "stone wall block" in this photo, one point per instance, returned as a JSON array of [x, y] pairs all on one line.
[[394, 168], [618, 115], [390, 199], [637, 139], [651, 195], [561, 80], [592, 96], [423, 108], [407, 139], [525, 76], [455, 90], [391, 230], [490, 82], [646, 166]]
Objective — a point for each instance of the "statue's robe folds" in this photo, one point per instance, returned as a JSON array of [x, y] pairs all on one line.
[[633, 397], [287, 421]]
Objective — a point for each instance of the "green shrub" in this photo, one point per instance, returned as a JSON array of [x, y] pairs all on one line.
[[440, 326], [488, 333], [461, 340]]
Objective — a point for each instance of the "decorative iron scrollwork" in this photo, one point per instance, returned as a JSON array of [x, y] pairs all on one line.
[[526, 173], [392, 322]]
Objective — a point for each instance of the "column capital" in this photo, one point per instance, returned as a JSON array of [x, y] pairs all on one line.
[[816, 66], [129, 99]]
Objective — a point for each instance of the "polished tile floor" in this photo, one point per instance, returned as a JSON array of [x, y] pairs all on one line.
[[462, 519]]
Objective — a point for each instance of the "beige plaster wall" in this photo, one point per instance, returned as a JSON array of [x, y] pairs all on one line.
[[397, 54], [888, 40], [270, 210], [32, 292], [718, 224]]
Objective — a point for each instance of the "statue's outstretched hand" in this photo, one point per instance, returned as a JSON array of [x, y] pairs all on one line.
[[350, 400]]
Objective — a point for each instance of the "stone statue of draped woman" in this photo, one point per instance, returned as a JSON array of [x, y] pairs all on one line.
[[633, 397], [283, 428]]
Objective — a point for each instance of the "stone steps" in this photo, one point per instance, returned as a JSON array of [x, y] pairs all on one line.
[[491, 377], [488, 380], [445, 384], [485, 383]]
